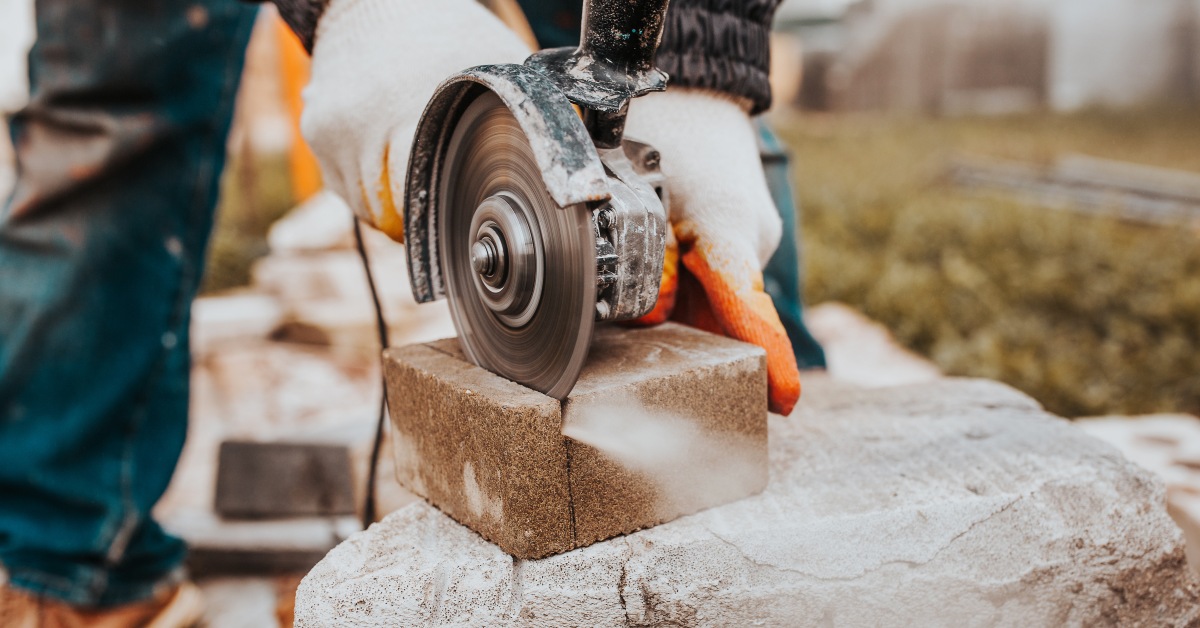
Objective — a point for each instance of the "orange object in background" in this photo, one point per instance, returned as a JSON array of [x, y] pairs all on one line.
[[294, 67]]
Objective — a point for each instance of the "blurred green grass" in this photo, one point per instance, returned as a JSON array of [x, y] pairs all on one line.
[[1088, 315], [255, 192]]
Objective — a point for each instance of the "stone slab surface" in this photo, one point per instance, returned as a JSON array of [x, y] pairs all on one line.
[[953, 503], [232, 602], [492, 454]]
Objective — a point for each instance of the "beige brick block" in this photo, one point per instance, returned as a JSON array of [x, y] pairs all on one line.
[[486, 451], [653, 409]]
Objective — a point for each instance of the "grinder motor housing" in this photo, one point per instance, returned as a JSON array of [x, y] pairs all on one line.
[[499, 144]]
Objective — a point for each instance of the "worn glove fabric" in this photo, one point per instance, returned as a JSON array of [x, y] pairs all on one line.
[[725, 224], [375, 65]]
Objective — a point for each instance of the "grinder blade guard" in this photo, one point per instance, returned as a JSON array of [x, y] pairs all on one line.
[[533, 220]]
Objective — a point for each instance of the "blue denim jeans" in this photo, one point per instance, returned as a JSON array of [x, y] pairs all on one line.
[[119, 153], [101, 251], [783, 278]]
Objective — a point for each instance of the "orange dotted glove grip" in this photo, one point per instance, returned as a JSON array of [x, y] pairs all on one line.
[[703, 297]]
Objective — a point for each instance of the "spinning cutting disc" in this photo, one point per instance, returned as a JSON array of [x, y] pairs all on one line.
[[520, 271]]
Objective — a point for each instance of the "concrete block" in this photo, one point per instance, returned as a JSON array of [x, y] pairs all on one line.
[[863, 352], [536, 476], [951, 503], [693, 385]]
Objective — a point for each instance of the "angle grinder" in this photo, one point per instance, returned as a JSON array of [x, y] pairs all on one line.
[[528, 209]]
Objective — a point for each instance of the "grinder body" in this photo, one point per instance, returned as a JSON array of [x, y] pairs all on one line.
[[528, 209]]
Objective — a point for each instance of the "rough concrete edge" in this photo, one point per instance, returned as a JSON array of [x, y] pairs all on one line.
[[450, 347]]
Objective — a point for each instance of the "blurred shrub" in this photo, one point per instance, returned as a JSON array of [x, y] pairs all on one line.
[[1087, 314], [255, 192]]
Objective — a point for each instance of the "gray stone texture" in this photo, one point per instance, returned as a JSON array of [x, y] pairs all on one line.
[[488, 452], [953, 503], [491, 453]]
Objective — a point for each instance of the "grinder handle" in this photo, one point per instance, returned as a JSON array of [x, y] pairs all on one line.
[[624, 34]]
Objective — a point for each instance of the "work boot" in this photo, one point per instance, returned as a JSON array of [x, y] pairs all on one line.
[[179, 607]]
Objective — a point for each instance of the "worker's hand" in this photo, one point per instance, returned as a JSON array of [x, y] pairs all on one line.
[[725, 223], [375, 65]]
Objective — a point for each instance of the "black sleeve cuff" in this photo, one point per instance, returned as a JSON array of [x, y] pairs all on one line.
[[723, 45], [301, 16]]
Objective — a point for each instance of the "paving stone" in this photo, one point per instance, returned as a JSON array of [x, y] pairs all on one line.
[[492, 454], [219, 322], [269, 391], [958, 502], [219, 547], [279, 479]]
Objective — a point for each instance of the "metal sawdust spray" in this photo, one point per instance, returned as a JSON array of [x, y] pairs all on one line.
[[689, 466]]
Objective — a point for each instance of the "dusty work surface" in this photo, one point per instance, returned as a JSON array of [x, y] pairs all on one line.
[[957, 502], [655, 412]]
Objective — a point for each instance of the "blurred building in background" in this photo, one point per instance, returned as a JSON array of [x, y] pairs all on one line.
[[16, 35], [979, 56]]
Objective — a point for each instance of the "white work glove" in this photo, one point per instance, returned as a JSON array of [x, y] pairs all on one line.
[[725, 223], [375, 65]]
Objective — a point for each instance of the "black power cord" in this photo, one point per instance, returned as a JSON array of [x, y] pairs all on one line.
[[368, 513]]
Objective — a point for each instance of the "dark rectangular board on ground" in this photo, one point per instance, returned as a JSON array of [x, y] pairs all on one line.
[[261, 480]]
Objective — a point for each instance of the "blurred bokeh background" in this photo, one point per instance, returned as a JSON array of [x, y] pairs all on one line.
[[1012, 189], [974, 175]]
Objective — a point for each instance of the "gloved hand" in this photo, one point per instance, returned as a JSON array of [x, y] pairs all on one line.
[[375, 65], [725, 224]]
